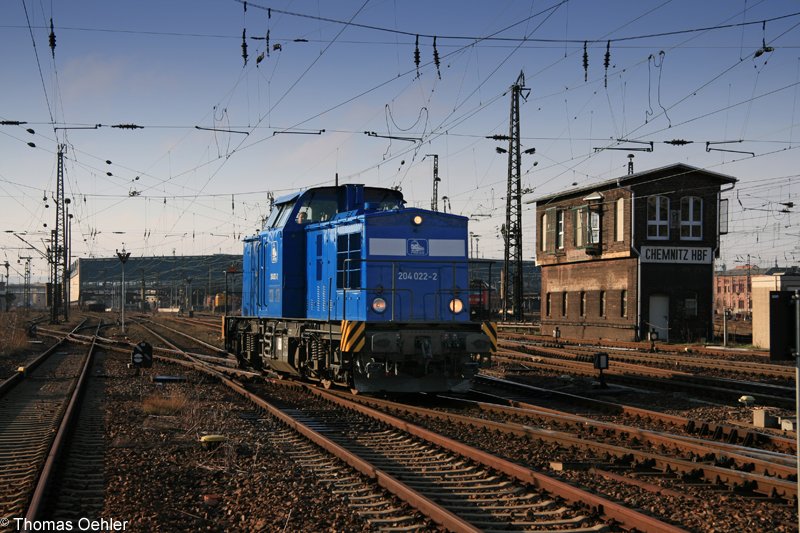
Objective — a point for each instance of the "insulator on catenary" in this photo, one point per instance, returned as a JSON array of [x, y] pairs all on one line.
[[585, 62], [244, 45], [52, 40], [436, 58], [416, 54], [607, 62]]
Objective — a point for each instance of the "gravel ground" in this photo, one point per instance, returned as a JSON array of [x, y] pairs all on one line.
[[161, 479]]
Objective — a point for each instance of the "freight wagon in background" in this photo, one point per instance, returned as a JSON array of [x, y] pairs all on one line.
[[346, 285]]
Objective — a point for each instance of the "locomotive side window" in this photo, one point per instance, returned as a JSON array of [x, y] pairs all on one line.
[[348, 261]]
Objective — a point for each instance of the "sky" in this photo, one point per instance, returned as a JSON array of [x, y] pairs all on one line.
[[219, 136]]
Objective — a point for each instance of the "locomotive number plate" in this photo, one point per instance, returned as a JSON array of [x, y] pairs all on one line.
[[417, 275]]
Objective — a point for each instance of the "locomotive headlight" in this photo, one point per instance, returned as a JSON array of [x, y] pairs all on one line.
[[417, 220], [456, 306], [379, 305]]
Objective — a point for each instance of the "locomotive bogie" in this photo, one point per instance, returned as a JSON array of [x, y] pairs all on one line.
[[369, 358]]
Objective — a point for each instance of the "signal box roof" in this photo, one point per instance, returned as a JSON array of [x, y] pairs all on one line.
[[676, 170]]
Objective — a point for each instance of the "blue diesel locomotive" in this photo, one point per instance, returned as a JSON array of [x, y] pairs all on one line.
[[346, 285]]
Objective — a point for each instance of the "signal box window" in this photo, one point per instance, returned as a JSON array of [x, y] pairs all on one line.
[[580, 215], [553, 222], [658, 218], [691, 218], [543, 233], [564, 303], [547, 305], [348, 261]]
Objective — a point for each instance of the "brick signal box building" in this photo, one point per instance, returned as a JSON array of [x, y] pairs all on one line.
[[633, 256]]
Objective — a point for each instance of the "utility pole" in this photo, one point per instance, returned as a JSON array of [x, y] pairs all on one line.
[[54, 291], [512, 260], [26, 290], [123, 258], [59, 240], [142, 295], [436, 180], [747, 290], [66, 248], [796, 298], [6, 295]]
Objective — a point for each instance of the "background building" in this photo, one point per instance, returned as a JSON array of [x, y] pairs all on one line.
[[632, 256], [732, 291], [189, 282], [774, 279]]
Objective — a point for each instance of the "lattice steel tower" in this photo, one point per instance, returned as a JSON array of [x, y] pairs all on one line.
[[26, 291], [436, 180], [512, 263], [59, 248]]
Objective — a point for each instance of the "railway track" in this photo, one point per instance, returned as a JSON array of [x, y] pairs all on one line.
[[526, 396], [458, 487], [530, 333], [396, 473], [450, 484], [670, 361], [727, 390], [37, 408], [629, 449]]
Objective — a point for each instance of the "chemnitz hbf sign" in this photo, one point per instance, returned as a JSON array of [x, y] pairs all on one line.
[[676, 254]]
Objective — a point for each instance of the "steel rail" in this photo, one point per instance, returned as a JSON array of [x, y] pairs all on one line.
[[748, 459], [38, 500], [511, 407], [612, 510], [22, 371], [193, 339], [769, 486], [689, 424], [639, 376], [436, 513], [654, 346], [727, 364]]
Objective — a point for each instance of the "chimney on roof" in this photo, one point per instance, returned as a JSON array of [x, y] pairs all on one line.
[[630, 164]]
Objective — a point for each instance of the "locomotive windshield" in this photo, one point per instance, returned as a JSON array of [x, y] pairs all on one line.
[[324, 203], [279, 215], [384, 199]]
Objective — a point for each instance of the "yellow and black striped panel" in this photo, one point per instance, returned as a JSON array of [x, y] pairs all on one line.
[[490, 328], [353, 335]]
